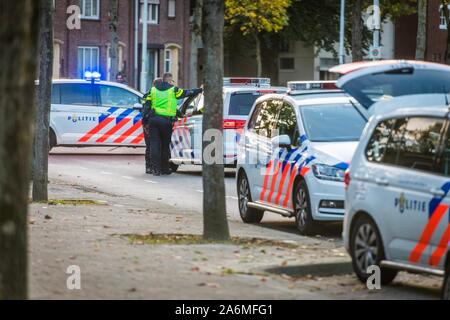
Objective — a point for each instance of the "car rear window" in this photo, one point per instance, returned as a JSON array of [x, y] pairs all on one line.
[[332, 122], [241, 103], [372, 88]]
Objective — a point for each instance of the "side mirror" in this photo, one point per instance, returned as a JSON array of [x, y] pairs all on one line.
[[137, 106], [189, 112], [282, 141]]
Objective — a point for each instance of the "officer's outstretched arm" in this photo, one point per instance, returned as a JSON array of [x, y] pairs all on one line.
[[181, 94]]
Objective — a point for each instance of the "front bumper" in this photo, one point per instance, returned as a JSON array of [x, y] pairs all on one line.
[[327, 199]]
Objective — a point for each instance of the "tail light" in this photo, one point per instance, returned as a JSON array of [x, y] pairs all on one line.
[[233, 124], [347, 179]]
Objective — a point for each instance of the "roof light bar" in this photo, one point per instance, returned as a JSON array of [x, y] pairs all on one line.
[[254, 82], [92, 75], [311, 85]]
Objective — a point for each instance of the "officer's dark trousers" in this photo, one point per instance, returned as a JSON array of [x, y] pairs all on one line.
[[148, 161], [160, 136]]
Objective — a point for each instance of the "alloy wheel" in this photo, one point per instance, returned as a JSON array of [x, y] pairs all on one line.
[[365, 247]]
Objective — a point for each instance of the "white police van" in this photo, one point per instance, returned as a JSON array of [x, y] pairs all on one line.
[[239, 94], [397, 200], [95, 113], [293, 154]]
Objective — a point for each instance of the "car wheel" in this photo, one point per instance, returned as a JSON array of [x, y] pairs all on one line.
[[366, 249], [51, 140], [302, 209], [173, 167], [446, 287], [248, 215]]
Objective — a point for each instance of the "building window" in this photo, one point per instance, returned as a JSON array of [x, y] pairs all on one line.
[[153, 11], [171, 8], [168, 60], [287, 63], [90, 9], [88, 60], [442, 19]]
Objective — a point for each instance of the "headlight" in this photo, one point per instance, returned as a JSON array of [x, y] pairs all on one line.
[[325, 172]]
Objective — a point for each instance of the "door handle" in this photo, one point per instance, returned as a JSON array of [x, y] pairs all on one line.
[[382, 181], [437, 192]]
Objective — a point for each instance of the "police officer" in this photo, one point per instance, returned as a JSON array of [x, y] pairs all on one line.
[[147, 113], [162, 103]]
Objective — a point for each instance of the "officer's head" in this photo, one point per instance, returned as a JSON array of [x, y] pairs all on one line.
[[167, 77], [157, 81]]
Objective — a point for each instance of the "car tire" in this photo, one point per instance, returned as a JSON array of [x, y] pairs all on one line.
[[51, 140], [173, 167], [302, 210], [248, 215], [366, 249], [446, 286]]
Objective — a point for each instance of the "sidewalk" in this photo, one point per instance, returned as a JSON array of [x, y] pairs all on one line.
[[91, 237]]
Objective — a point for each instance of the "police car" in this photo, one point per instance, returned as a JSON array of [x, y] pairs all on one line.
[[397, 200], [239, 94], [90, 112], [293, 154]]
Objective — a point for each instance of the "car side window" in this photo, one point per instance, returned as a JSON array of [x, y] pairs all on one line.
[[199, 105], [287, 123], [254, 117], [265, 124], [56, 94], [409, 142], [378, 143], [78, 94], [112, 96], [445, 160], [419, 146]]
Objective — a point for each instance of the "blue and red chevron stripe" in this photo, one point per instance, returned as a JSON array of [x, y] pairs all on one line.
[[436, 211], [121, 120]]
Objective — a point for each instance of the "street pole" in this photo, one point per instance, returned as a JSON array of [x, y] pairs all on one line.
[[341, 33], [376, 30], [136, 39], [143, 86]]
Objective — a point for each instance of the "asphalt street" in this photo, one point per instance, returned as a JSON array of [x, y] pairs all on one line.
[[121, 171]]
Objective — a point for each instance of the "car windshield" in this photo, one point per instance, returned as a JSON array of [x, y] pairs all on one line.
[[332, 122], [375, 87], [241, 103]]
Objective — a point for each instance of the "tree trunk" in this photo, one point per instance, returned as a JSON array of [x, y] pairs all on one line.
[[18, 43], [357, 31], [196, 43], [114, 38], [258, 55], [215, 224], [447, 17], [421, 41], [44, 94]]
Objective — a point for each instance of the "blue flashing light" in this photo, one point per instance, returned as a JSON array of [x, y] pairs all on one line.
[[92, 75]]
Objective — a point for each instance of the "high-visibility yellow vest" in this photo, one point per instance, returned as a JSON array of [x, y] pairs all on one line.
[[164, 102]]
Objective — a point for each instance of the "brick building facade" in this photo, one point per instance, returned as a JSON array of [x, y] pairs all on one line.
[[406, 33], [86, 48]]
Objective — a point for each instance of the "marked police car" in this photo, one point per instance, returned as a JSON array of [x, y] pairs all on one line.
[[293, 154], [94, 113], [239, 94], [397, 200]]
